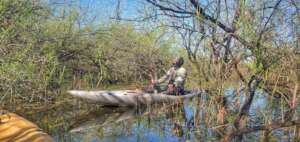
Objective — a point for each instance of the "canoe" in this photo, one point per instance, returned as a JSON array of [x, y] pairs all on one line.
[[129, 97], [14, 128]]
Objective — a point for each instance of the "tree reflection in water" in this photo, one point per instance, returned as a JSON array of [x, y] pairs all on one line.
[[203, 118], [200, 119]]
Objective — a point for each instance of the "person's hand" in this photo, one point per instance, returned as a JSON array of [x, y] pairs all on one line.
[[152, 79], [155, 82]]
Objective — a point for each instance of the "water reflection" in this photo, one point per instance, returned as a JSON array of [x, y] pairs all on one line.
[[156, 123], [198, 119], [193, 120]]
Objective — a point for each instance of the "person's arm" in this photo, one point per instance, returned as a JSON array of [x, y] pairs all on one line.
[[166, 77]]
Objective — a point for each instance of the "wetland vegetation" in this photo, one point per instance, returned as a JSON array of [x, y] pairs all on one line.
[[244, 53]]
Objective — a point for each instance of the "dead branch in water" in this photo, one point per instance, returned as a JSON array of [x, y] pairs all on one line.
[[267, 127]]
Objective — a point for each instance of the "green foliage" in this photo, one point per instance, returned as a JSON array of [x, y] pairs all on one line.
[[42, 53]]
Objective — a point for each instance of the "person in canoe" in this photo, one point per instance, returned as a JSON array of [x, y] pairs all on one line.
[[173, 81]]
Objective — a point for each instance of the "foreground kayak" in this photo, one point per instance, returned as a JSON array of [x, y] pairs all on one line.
[[14, 128], [129, 97]]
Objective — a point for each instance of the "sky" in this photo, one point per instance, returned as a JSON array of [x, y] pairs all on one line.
[[99, 11], [104, 10], [128, 7]]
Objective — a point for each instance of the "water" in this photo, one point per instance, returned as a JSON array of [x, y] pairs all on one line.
[[158, 123], [193, 120]]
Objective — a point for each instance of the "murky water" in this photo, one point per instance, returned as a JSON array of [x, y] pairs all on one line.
[[193, 120]]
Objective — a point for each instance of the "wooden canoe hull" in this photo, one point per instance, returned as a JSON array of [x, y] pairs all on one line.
[[128, 97]]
